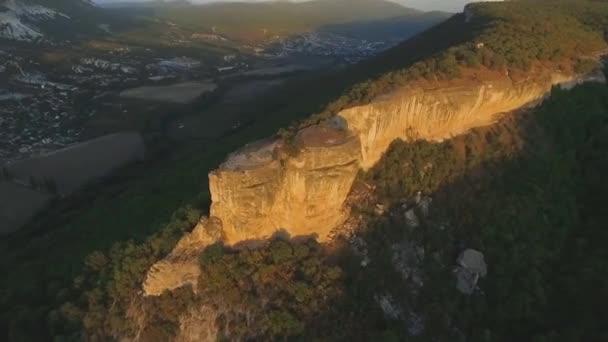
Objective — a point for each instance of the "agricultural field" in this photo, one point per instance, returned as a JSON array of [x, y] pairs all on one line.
[[226, 114], [246, 91], [180, 93], [64, 171]]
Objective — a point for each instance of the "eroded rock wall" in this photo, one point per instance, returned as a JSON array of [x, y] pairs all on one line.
[[300, 193], [315, 184], [243, 198], [435, 113]]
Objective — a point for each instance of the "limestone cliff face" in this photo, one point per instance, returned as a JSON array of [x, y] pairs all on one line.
[[257, 193], [181, 267], [431, 113], [262, 188]]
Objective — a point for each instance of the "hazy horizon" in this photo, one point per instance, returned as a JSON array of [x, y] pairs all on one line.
[[425, 5]]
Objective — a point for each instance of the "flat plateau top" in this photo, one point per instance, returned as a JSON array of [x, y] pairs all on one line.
[[319, 136], [251, 156]]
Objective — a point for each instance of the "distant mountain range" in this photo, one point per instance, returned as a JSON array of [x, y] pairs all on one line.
[[254, 21], [25, 20], [424, 5], [39, 20]]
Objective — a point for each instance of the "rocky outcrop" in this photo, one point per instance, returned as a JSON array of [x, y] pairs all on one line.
[[471, 267], [268, 186], [181, 268], [302, 193], [437, 112]]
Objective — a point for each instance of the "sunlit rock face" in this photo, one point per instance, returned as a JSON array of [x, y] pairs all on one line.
[[257, 195], [245, 188], [262, 188], [429, 112], [181, 267], [268, 187], [316, 182]]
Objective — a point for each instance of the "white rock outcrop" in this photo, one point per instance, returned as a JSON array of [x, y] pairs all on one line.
[[471, 267]]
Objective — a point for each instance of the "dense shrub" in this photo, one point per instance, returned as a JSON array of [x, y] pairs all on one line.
[[269, 292], [537, 215], [110, 285]]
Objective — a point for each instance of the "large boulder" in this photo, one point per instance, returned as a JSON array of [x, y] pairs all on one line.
[[471, 267]]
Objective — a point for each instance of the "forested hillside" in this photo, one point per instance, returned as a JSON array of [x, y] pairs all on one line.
[[527, 192]]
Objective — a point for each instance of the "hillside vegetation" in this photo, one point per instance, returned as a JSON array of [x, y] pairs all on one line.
[[511, 36], [75, 271], [525, 192]]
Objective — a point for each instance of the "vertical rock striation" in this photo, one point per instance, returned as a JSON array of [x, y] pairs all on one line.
[[263, 189], [432, 112]]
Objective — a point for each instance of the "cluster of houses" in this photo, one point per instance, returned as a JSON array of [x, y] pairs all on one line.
[[38, 103], [349, 50]]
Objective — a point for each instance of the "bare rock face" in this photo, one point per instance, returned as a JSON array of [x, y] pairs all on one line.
[[302, 193], [245, 187], [262, 188], [266, 187], [429, 112], [181, 268]]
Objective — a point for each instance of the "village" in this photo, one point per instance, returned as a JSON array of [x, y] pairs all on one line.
[[344, 49], [40, 109]]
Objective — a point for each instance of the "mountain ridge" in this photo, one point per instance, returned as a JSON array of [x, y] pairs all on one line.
[[262, 189], [495, 85], [396, 263], [25, 21]]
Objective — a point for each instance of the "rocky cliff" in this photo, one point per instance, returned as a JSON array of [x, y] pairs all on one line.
[[269, 186]]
